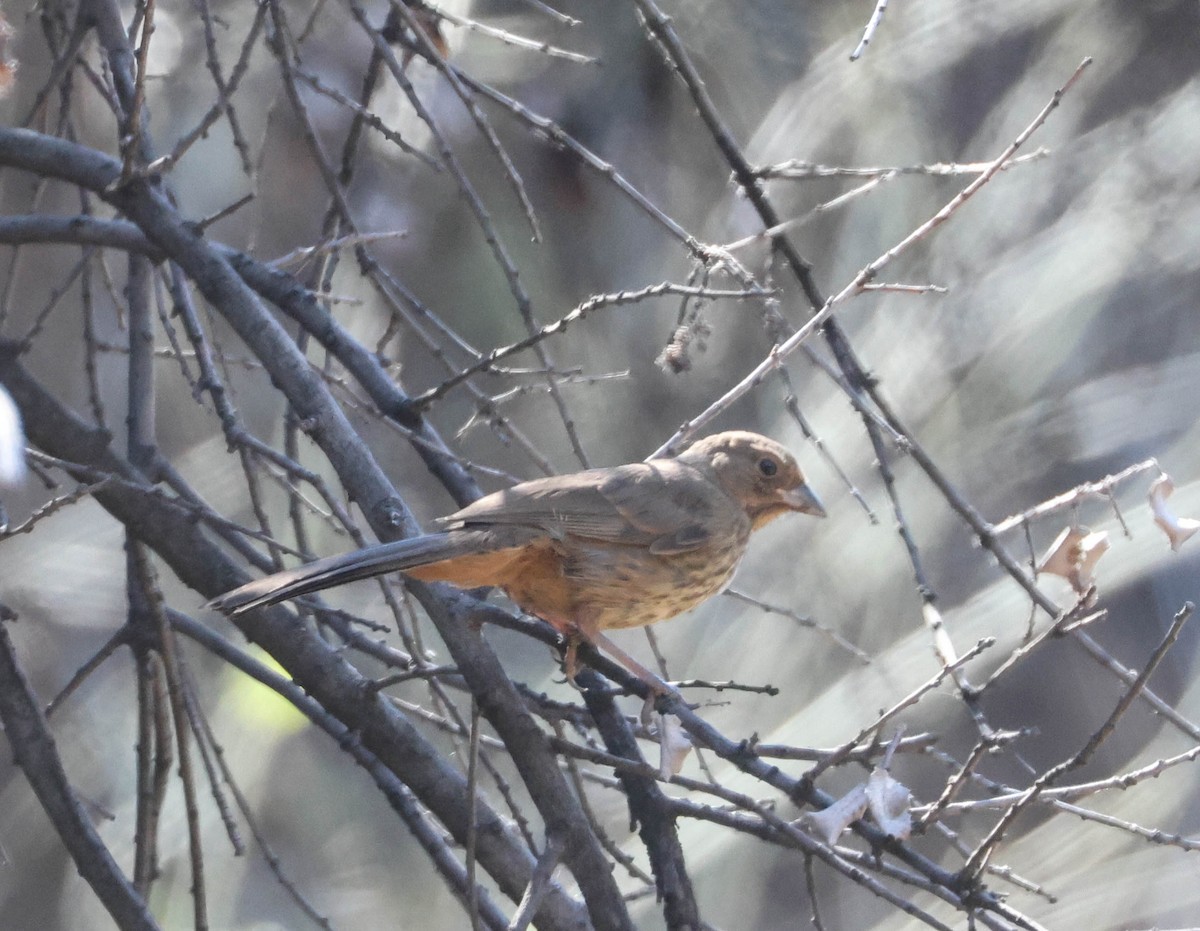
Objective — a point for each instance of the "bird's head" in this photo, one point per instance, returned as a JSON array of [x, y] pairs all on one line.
[[760, 473]]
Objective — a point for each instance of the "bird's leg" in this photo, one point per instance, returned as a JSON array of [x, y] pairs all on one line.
[[657, 685], [571, 659], [581, 630]]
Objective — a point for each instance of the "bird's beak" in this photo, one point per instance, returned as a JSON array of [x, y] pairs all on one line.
[[803, 499]]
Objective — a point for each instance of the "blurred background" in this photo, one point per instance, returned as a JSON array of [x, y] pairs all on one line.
[[1067, 347]]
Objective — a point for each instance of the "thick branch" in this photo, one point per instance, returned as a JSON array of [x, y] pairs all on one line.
[[648, 807], [314, 665]]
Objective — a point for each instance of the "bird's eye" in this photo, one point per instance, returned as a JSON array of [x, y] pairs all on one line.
[[768, 467]]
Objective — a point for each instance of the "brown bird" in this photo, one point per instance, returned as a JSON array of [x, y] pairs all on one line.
[[589, 551]]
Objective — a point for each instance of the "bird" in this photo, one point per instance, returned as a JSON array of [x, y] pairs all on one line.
[[589, 551]]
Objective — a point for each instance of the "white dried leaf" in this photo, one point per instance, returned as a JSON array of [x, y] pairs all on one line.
[[1073, 556], [889, 801], [1091, 548], [829, 823], [674, 745], [1177, 529], [12, 441]]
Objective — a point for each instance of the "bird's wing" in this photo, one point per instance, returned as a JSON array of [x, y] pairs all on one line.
[[663, 505]]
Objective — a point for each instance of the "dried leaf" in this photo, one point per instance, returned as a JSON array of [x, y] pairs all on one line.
[[829, 823], [12, 442], [1073, 555], [431, 25], [674, 746], [8, 66], [888, 801], [1177, 529]]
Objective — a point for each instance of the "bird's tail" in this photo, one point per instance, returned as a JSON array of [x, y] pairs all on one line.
[[348, 567]]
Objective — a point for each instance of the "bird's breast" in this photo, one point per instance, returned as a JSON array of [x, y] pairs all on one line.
[[625, 586]]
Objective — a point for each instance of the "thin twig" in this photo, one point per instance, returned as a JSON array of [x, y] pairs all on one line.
[[618, 299], [868, 273], [869, 31], [34, 752], [987, 846], [907, 701]]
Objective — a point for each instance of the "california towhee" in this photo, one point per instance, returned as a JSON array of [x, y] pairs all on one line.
[[605, 548]]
